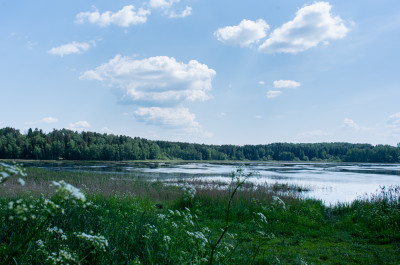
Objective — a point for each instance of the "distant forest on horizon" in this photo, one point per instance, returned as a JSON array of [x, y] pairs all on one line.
[[69, 145]]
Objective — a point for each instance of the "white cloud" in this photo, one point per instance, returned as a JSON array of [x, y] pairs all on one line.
[[394, 119], [158, 79], [244, 34], [49, 120], [79, 125], [170, 117], [350, 124], [312, 25], [273, 93], [31, 44], [167, 7], [286, 84], [162, 3], [186, 12], [73, 47], [261, 83], [125, 17], [44, 120]]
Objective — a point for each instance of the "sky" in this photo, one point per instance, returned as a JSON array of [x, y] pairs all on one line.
[[204, 71]]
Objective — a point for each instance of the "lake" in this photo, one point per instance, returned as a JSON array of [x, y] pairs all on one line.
[[330, 182]]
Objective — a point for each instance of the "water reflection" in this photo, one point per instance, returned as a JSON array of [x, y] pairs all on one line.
[[330, 182]]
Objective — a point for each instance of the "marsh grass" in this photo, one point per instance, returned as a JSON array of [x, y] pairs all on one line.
[[153, 223]]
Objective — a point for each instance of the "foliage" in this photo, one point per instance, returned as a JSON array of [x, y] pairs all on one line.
[[70, 145], [75, 227]]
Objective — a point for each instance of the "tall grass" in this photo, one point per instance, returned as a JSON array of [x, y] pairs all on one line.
[[132, 221]]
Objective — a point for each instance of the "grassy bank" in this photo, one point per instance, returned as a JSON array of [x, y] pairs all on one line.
[[132, 221]]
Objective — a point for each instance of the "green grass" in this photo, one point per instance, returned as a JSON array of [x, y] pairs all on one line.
[[150, 223]]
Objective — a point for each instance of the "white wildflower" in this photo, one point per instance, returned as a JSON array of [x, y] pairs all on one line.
[[167, 239], [278, 201], [262, 217], [199, 236], [98, 242], [161, 216], [9, 170], [206, 230], [55, 230], [70, 190], [188, 192], [40, 243], [51, 207], [63, 257], [21, 181]]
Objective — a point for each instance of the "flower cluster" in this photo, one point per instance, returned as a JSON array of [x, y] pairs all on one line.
[[96, 241], [21, 210], [69, 191], [7, 171], [278, 202], [58, 232], [63, 255], [54, 244], [261, 217], [188, 192]]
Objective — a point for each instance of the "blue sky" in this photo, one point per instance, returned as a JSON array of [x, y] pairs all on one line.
[[215, 72]]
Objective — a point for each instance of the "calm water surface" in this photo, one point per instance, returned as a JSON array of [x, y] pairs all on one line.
[[330, 182]]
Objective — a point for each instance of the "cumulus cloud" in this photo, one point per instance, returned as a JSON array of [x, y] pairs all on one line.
[[70, 48], [186, 12], [179, 117], [394, 119], [352, 125], [349, 123], [273, 93], [125, 17], [312, 25], [244, 34], [159, 79], [167, 7], [47, 120], [162, 3], [286, 84], [79, 125]]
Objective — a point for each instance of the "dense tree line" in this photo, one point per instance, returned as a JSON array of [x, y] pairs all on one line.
[[70, 145]]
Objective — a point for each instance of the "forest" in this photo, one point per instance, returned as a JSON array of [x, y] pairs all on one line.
[[69, 145]]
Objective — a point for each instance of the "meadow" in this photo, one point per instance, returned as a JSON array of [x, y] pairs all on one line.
[[87, 218]]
